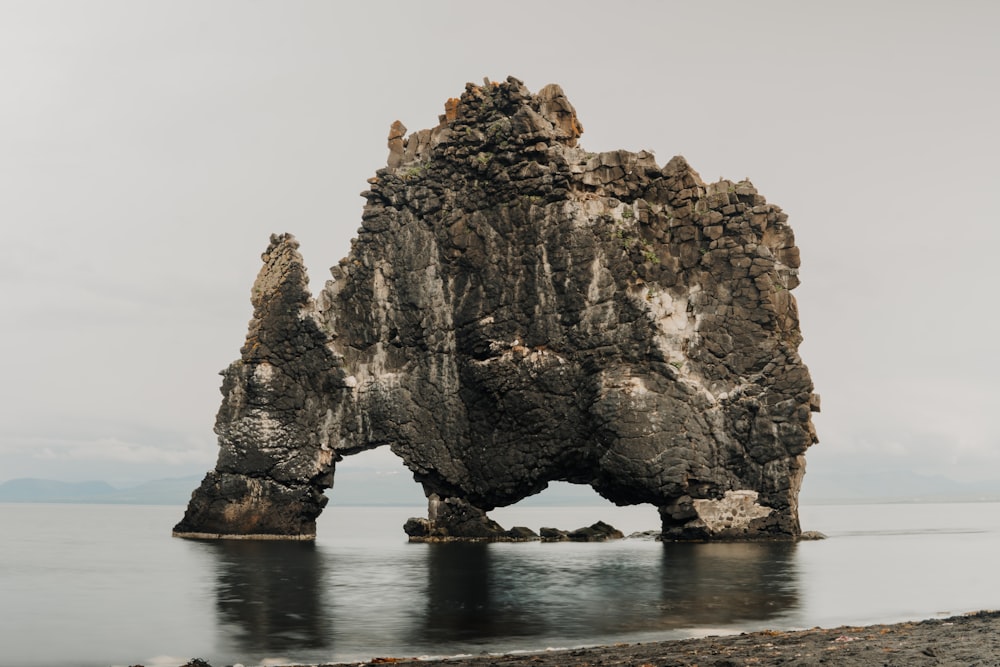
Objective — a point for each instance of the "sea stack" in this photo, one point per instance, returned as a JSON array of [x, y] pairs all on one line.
[[516, 310]]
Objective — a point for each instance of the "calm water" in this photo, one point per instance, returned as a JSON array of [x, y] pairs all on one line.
[[107, 585]]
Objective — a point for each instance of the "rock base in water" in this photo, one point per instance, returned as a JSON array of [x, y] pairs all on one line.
[[598, 532], [483, 529]]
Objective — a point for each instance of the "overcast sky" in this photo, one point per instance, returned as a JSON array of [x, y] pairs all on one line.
[[149, 148]]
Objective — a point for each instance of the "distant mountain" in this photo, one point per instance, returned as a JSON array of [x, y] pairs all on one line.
[[377, 486], [352, 486], [158, 492], [373, 486], [51, 491], [174, 491]]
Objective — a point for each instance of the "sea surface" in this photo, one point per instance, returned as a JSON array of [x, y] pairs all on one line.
[[88, 585]]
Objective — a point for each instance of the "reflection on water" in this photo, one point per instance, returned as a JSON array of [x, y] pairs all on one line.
[[492, 591], [449, 598], [362, 591], [721, 584], [268, 595], [463, 596]]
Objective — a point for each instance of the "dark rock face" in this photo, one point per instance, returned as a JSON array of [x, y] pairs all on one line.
[[275, 457], [598, 532], [513, 311]]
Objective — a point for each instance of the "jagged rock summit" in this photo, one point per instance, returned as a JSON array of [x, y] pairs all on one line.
[[515, 310]]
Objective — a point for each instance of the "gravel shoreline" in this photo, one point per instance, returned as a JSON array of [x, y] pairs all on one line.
[[969, 640]]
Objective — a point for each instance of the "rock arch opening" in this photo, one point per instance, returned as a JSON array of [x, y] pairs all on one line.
[[568, 507], [376, 477]]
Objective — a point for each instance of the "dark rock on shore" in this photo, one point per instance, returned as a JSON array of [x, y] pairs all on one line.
[[514, 311], [972, 639]]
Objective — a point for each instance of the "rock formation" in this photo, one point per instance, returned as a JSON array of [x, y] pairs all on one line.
[[598, 532], [515, 310]]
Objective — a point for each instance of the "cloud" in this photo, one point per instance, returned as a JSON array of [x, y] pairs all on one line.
[[147, 158], [847, 447], [76, 449], [113, 449]]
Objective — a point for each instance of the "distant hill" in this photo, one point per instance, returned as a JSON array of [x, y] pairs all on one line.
[[159, 492], [51, 491], [376, 486], [371, 486], [352, 486]]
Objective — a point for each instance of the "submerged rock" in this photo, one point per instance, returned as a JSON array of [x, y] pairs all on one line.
[[515, 310]]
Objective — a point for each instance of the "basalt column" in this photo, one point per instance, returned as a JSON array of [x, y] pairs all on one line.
[[275, 455]]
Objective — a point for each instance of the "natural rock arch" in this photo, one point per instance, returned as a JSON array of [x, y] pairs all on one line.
[[516, 310]]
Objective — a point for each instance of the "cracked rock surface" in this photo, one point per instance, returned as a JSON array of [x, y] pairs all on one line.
[[515, 310]]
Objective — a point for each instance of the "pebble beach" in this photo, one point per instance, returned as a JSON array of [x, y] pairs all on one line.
[[972, 640]]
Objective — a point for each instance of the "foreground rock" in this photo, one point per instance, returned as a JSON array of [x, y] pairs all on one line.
[[972, 639], [514, 311]]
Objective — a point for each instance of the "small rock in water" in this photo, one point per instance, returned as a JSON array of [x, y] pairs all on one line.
[[645, 535], [812, 535], [598, 532], [522, 533]]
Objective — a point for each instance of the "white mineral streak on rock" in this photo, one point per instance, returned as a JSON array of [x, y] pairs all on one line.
[[635, 386], [261, 423], [587, 212], [263, 373], [594, 287], [732, 513], [674, 324], [327, 431], [546, 289], [324, 458], [676, 330], [514, 351], [370, 371]]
